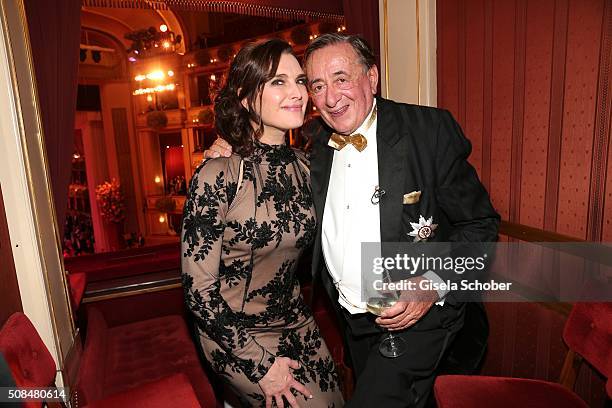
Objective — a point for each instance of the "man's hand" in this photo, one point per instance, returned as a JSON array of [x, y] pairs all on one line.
[[218, 149], [407, 312], [278, 382]]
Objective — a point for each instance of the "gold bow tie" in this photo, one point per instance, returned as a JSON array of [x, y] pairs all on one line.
[[339, 141]]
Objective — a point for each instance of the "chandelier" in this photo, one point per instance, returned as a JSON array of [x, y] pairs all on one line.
[[151, 41]]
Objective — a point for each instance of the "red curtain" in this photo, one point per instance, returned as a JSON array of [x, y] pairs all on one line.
[[174, 162], [54, 27], [361, 17]]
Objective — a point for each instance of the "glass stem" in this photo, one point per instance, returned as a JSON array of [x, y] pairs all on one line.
[[391, 338]]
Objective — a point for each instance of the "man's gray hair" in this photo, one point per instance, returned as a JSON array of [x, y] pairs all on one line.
[[361, 47]]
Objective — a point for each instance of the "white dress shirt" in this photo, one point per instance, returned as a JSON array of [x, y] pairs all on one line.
[[349, 217]]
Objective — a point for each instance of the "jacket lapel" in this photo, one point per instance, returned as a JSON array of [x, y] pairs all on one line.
[[320, 168], [392, 170]]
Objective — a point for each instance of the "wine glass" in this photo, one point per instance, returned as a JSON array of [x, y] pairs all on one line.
[[390, 346]]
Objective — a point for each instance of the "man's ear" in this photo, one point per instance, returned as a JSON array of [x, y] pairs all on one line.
[[373, 78]]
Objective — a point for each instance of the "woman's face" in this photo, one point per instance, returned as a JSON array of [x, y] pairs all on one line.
[[283, 99]]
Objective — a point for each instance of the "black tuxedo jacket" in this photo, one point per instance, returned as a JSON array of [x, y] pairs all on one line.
[[419, 149]]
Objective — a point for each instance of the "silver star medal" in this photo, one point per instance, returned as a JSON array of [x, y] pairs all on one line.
[[423, 229]]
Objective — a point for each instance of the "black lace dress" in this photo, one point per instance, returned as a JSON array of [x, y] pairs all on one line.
[[240, 251]]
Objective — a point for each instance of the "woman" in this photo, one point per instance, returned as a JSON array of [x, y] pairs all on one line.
[[246, 221]]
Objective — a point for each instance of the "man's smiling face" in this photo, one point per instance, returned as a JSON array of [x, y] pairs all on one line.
[[341, 88]]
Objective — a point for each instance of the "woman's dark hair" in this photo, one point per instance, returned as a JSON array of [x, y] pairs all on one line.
[[254, 65]]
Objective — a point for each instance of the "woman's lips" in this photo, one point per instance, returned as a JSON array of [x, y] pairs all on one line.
[[293, 108]]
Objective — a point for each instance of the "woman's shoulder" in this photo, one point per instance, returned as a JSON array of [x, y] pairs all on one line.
[[303, 159], [300, 154], [226, 167]]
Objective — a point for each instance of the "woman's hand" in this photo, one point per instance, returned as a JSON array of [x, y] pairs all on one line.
[[279, 381], [218, 149]]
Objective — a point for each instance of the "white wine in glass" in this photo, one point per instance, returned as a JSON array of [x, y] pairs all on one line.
[[376, 305], [390, 345]]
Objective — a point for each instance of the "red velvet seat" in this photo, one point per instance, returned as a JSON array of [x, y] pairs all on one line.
[[151, 395], [27, 356], [587, 332], [77, 283], [116, 359], [460, 391], [32, 365]]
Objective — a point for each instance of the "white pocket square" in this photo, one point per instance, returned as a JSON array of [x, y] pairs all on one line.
[[412, 198]]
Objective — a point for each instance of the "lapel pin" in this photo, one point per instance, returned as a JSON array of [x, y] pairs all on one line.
[[422, 230]]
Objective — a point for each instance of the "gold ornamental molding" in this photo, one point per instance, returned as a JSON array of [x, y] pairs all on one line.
[[237, 7]]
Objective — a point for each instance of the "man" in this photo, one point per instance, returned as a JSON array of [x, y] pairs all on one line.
[[402, 166]]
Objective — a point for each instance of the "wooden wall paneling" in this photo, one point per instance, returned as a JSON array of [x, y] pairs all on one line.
[[557, 90], [474, 79], [461, 60], [518, 110], [538, 74], [526, 357], [538, 62], [601, 141], [607, 217], [504, 23], [510, 321], [544, 77], [583, 46], [487, 95], [447, 56], [10, 300]]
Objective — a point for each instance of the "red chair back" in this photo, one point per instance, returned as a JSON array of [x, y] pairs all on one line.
[[27, 356], [588, 332]]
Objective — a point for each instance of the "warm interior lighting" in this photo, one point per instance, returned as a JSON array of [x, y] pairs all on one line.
[[157, 179], [149, 98], [213, 77], [162, 219], [76, 155], [159, 88], [156, 75], [170, 73], [166, 44], [139, 78], [163, 28]]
